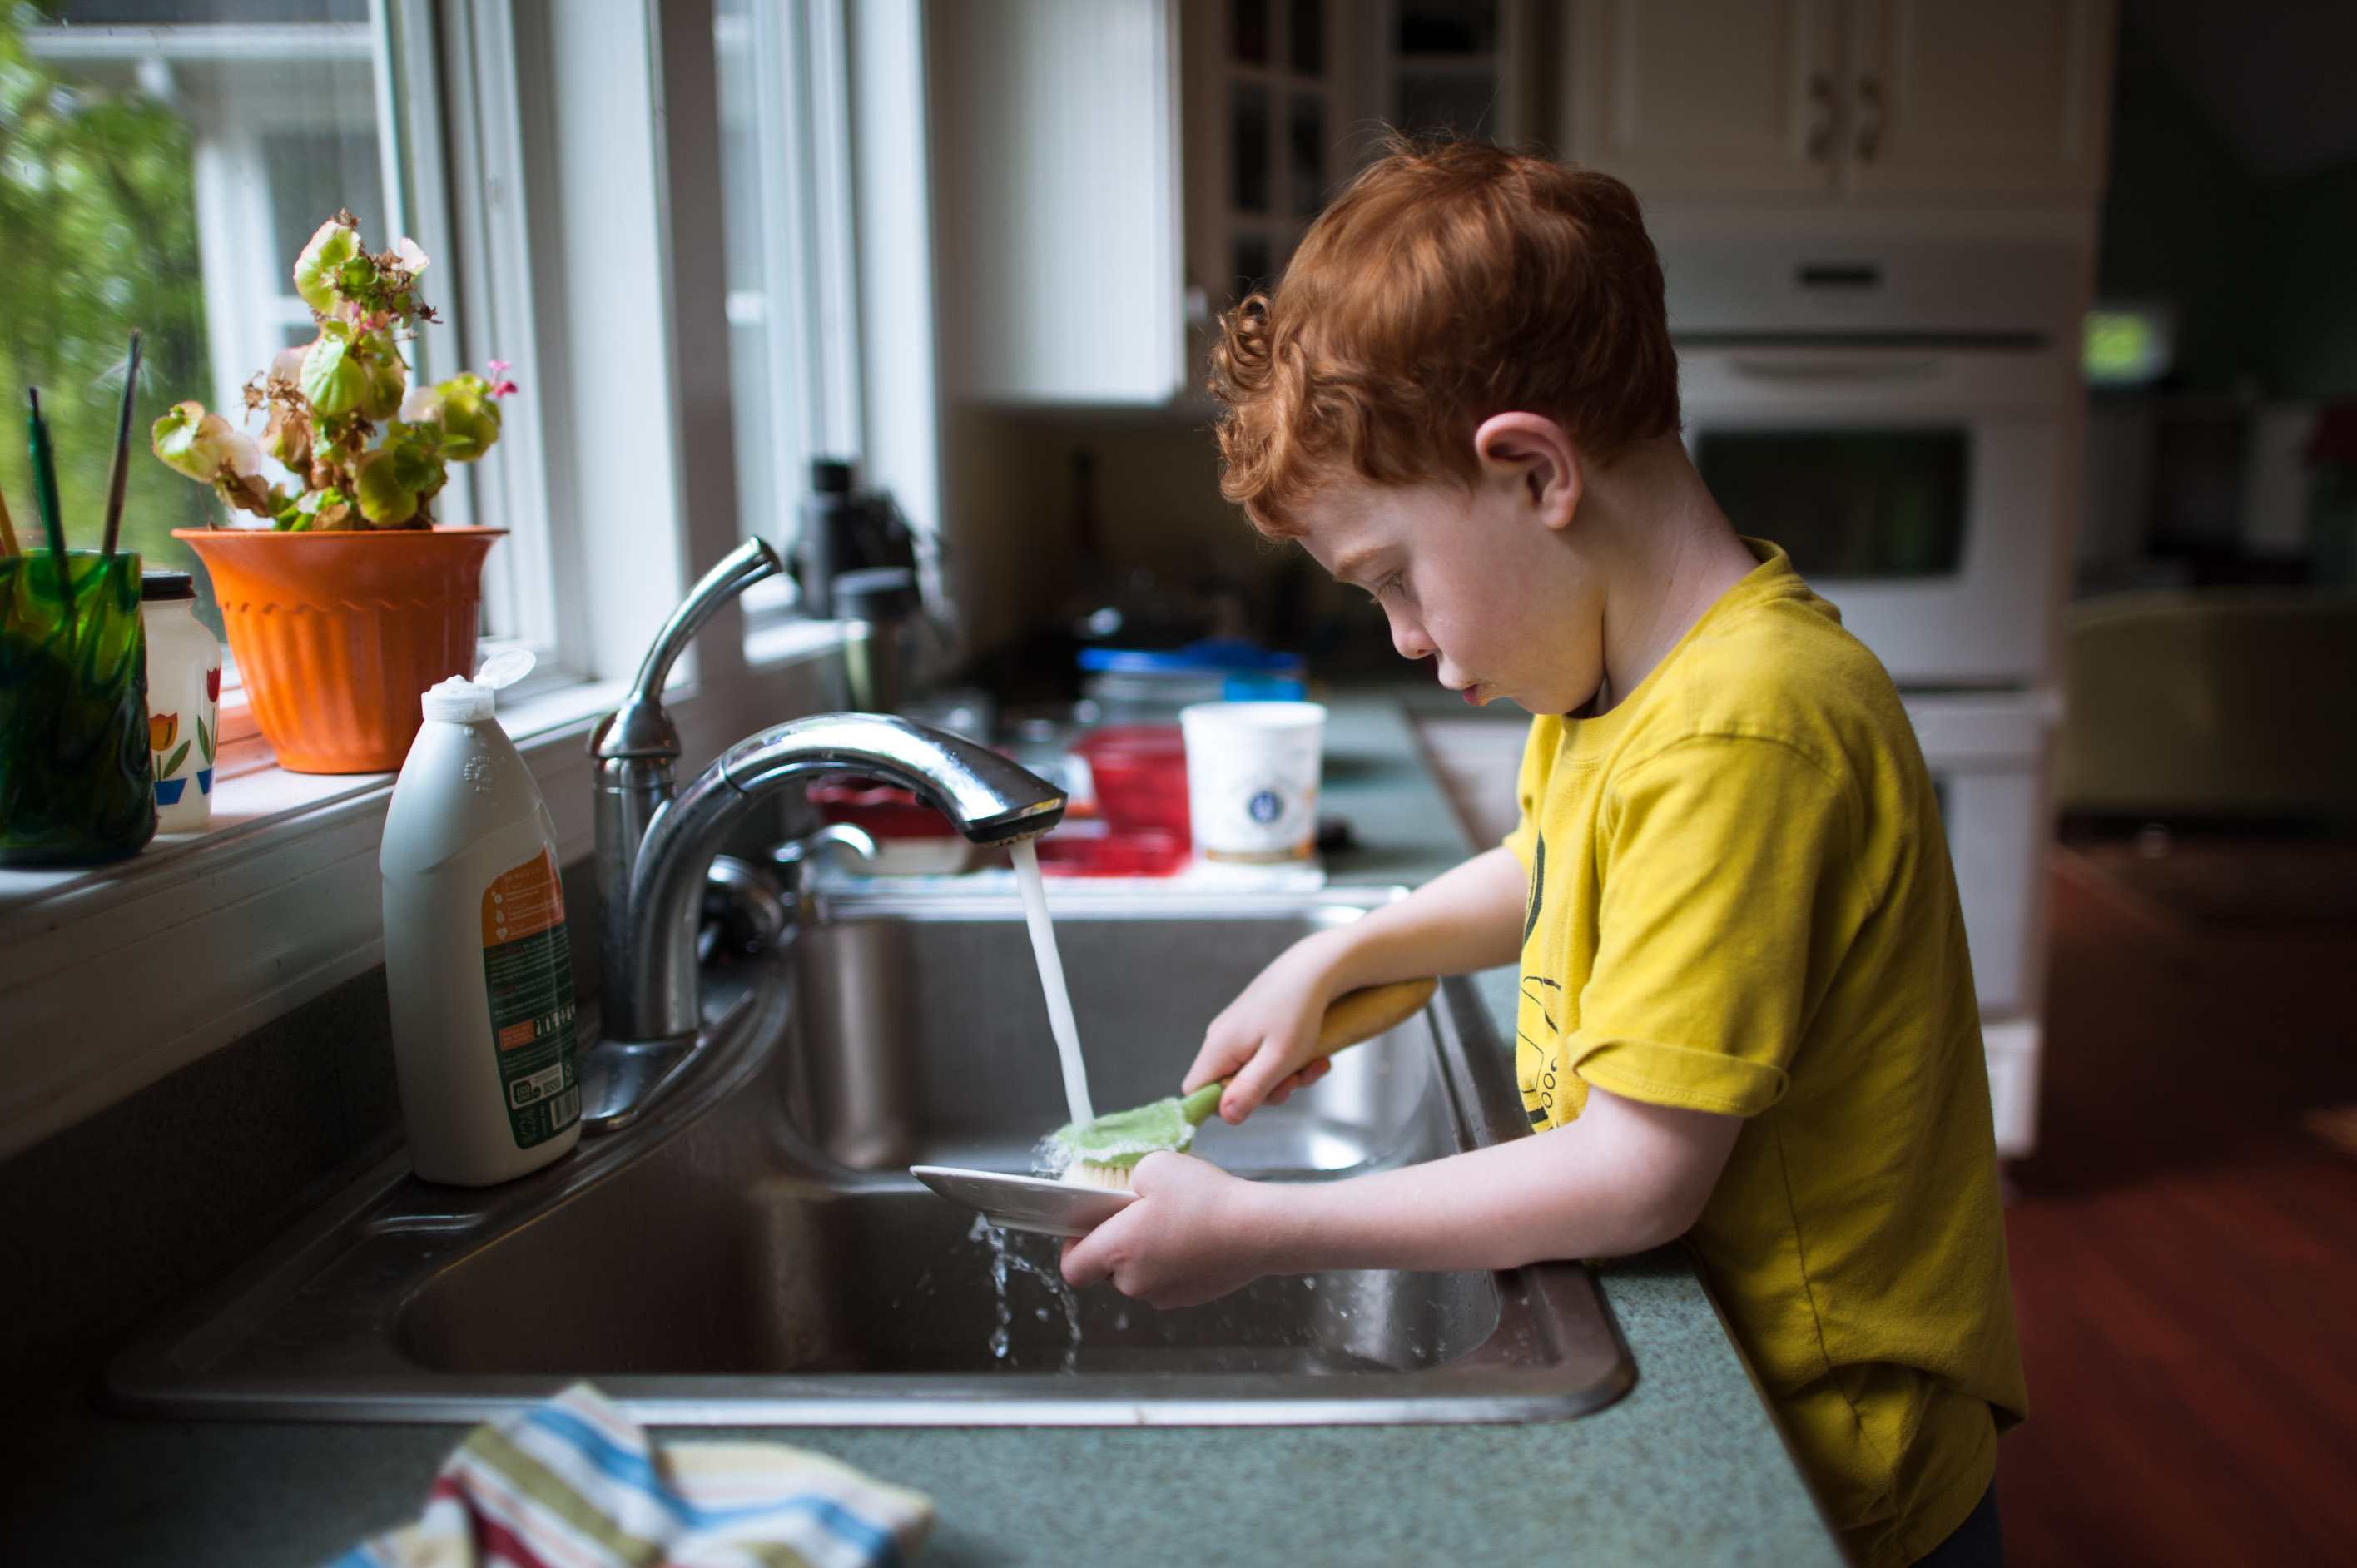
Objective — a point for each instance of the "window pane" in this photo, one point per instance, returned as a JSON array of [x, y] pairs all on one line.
[[749, 208], [792, 290], [1305, 129], [164, 178], [1248, 31], [1448, 26], [1248, 143], [1456, 103], [1255, 265], [1862, 503], [1309, 37]]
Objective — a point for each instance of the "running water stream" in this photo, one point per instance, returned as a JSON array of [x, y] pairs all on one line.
[[1051, 981], [1003, 1258], [1003, 1255]]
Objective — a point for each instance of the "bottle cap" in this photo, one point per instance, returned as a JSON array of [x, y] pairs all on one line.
[[505, 668], [457, 700]]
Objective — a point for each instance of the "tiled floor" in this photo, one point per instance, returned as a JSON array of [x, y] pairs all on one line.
[[2184, 1251]]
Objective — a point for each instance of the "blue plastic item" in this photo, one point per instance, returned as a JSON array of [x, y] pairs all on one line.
[[1212, 655]]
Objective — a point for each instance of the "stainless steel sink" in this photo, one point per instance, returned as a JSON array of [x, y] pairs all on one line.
[[753, 1251]]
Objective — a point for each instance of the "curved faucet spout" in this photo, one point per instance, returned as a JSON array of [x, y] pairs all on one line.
[[639, 727], [987, 798]]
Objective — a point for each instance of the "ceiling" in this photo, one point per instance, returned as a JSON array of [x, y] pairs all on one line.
[[2274, 75]]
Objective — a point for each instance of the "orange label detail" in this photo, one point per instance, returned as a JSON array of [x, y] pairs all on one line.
[[516, 1034], [524, 902]]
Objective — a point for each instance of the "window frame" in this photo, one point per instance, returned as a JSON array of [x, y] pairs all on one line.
[[279, 903]]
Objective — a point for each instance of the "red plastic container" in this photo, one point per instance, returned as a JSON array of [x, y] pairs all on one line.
[[1141, 852], [880, 811], [1141, 778]]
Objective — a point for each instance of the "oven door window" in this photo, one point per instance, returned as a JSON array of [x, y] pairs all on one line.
[[1847, 504]]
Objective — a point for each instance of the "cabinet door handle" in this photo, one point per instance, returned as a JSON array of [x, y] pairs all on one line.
[[1870, 118], [1821, 116]]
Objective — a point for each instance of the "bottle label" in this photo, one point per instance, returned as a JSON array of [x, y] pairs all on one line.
[[528, 969]]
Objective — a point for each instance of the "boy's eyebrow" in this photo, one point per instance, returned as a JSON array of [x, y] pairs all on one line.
[[1348, 565]]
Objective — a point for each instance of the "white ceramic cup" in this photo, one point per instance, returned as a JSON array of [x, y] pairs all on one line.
[[1252, 779]]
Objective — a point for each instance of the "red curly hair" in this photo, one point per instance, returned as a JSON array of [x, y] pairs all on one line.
[[1447, 284]]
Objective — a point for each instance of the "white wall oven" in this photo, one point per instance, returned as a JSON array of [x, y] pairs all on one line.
[[1902, 419], [1917, 488]]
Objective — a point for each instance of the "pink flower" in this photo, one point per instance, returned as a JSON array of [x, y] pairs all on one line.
[[501, 385]]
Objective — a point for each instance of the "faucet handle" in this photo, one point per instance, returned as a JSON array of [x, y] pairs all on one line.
[[640, 727]]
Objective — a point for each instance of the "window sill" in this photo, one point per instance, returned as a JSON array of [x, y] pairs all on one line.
[[113, 977]]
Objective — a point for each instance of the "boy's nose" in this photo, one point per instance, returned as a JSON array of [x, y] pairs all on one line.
[[1408, 638]]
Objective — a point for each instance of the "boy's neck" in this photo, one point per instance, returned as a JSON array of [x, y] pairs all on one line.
[[1665, 552]]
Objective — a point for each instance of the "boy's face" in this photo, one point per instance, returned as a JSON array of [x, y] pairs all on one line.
[[1477, 578]]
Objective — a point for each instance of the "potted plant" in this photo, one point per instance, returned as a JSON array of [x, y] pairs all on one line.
[[347, 601]]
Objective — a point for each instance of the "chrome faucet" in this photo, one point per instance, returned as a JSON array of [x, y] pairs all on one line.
[[656, 843], [636, 747]]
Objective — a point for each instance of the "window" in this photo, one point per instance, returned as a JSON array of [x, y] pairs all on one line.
[[162, 175], [161, 162], [793, 294]]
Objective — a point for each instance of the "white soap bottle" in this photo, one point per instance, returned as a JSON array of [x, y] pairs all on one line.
[[475, 953]]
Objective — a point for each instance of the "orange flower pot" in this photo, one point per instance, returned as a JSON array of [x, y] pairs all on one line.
[[339, 634]]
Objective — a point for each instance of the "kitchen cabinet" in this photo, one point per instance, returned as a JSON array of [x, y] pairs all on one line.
[[1846, 99], [1055, 181], [1284, 100], [1109, 174]]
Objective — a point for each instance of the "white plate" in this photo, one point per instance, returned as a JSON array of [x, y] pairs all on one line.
[[1025, 1203]]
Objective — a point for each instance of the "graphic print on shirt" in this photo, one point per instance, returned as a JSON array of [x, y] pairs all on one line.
[[1535, 1060]]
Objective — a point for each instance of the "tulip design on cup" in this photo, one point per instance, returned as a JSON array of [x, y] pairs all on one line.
[[163, 729]]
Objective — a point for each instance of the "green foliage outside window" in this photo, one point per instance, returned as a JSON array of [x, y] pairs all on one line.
[[98, 234]]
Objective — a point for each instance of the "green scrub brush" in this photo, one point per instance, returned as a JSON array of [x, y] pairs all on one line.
[[1102, 1153]]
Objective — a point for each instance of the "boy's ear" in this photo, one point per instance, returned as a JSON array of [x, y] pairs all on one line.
[[1538, 456]]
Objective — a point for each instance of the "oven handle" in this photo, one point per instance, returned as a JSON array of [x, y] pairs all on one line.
[[1842, 369]]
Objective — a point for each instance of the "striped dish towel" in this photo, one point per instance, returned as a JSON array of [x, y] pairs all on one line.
[[576, 1484]]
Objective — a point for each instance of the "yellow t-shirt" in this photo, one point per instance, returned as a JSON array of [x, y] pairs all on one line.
[[1741, 901]]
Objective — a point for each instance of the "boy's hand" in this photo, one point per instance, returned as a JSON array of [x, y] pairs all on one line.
[[1192, 1235], [1262, 1042]]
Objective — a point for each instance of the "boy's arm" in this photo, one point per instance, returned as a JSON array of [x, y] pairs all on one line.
[[1625, 1177], [1469, 918]]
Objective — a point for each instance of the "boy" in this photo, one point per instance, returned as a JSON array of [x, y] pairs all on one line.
[[1746, 1015]]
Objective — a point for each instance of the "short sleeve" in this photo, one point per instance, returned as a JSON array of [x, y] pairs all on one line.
[[1729, 890], [1529, 783]]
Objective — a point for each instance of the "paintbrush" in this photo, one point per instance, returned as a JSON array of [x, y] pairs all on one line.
[[120, 475], [45, 497], [45, 480]]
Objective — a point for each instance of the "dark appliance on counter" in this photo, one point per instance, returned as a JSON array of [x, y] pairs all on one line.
[[844, 530]]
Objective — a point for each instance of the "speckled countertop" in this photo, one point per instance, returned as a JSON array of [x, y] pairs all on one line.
[[1687, 1469]]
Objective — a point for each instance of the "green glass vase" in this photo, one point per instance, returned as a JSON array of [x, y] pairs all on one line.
[[76, 781]]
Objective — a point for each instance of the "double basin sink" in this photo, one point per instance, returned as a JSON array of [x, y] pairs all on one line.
[[752, 1251]]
